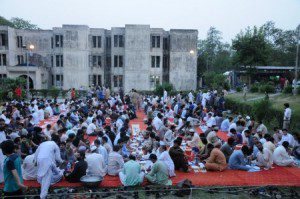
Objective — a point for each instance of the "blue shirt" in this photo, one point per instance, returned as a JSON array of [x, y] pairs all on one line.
[[12, 162], [225, 125], [237, 158]]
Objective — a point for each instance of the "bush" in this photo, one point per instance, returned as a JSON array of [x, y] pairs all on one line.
[[288, 90], [261, 109], [254, 88], [159, 89], [238, 89], [34, 92], [44, 92], [215, 81], [54, 92], [268, 88]]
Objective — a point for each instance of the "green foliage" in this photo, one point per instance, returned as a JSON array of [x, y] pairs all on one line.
[[54, 92], [215, 80], [288, 89], [64, 94], [44, 93], [159, 89], [262, 109], [20, 23], [267, 88], [238, 89], [254, 88], [5, 22]]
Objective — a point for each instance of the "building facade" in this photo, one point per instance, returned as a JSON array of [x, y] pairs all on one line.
[[76, 56]]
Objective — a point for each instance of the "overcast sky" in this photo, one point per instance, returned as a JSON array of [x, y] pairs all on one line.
[[228, 16]]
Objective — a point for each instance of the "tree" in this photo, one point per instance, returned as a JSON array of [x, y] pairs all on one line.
[[20, 23], [5, 22]]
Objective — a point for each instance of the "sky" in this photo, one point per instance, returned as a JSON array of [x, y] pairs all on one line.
[[228, 16]]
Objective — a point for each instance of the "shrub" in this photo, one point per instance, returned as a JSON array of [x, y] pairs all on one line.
[[33, 92], [159, 89], [288, 90], [238, 89], [64, 93], [268, 88], [54, 92], [44, 92], [254, 88], [261, 109]]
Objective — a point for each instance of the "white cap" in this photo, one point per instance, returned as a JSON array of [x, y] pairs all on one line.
[[248, 118]]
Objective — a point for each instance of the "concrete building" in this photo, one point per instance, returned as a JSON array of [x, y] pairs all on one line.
[[76, 56]]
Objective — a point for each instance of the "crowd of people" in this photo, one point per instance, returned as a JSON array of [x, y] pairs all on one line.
[[92, 136]]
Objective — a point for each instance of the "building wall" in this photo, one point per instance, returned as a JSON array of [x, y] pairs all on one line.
[[78, 50], [183, 63]]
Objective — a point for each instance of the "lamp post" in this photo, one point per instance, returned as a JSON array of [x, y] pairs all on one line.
[[29, 49], [297, 60]]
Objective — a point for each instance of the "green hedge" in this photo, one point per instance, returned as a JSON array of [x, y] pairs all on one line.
[[263, 110]]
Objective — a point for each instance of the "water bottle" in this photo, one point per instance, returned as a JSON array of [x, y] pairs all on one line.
[[68, 168]]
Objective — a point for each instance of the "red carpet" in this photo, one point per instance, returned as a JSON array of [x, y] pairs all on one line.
[[280, 176]]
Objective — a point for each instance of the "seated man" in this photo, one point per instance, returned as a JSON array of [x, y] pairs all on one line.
[[115, 162], [131, 174], [216, 160], [165, 157], [29, 168], [194, 143], [264, 157], [159, 172], [79, 169], [281, 156], [96, 163], [238, 159], [228, 148], [178, 157]]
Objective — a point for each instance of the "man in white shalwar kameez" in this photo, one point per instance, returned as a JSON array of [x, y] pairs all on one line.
[[2, 156], [46, 157], [165, 96], [281, 156], [166, 158], [264, 157], [29, 169]]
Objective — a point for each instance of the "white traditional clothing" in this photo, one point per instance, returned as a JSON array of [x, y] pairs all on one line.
[[169, 137], [264, 158], [195, 140], [2, 157], [281, 157], [46, 156], [289, 138], [166, 158], [29, 169], [96, 165]]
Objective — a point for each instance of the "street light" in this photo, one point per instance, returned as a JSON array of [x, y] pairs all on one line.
[[29, 49], [192, 52]]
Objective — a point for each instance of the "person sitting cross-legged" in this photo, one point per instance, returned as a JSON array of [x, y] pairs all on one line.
[[159, 173], [131, 174], [216, 160], [238, 159]]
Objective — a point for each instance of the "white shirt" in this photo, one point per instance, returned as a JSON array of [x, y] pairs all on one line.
[[6, 120], [211, 122], [157, 123], [49, 110], [41, 114], [281, 157], [46, 155], [29, 169], [289, 138], [96, 164], [287, 114], [165, 157], [91, 128], [103, 152], [35, 117]]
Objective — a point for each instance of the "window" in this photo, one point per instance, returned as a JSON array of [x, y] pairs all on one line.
[[108, 61], [52, 62], [97, 61], [166, 44], [59, 61], [118, 41], [165, 61], [3, 39], [95, 80], [52, 80], [118, 80], [20, 59], [108, 42], [154, 80], [118, 61], [59, 41], [2, 59], [155, 41], [52, 42], [19, 41], [155, 61], [59, 80], [2, 76], [97, 42]]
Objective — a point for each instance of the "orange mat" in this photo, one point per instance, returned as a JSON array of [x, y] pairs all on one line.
[[280, 176]]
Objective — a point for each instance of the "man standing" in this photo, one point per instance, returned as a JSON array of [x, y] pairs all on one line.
[[13, 181], [131, 174], [287, 116], [46, 157], [159, 172]]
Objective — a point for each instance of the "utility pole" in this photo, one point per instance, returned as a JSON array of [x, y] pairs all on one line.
[[297, 61]]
